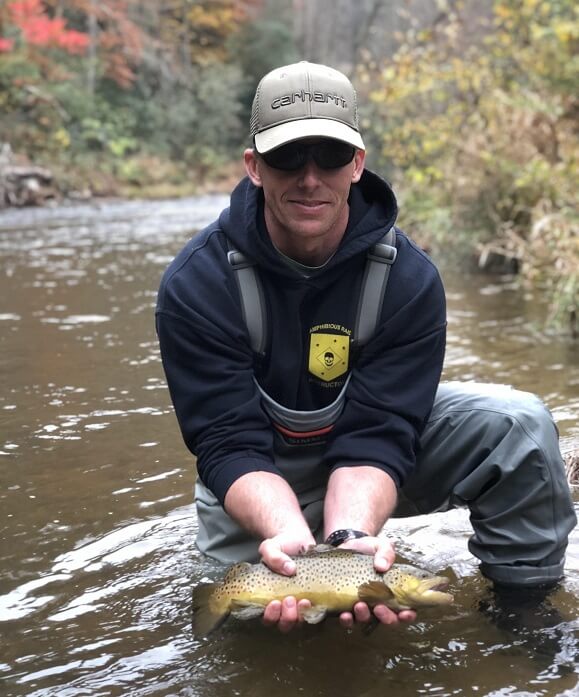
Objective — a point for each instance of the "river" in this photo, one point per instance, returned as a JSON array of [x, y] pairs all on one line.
[[96, 518]]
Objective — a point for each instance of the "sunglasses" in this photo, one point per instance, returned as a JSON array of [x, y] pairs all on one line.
[[327, 154]]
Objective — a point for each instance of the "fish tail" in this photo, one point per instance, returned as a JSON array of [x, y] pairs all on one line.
[[207, 615]]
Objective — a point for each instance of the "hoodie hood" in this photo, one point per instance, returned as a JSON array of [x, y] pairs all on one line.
[[373, 211]]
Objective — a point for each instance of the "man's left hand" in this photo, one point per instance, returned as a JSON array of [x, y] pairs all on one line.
[[384, 556]]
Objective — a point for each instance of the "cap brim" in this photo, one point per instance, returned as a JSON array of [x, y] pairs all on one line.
[[276, 136]]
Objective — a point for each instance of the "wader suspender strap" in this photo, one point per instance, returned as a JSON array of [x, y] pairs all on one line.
[[379, 260], [252, 300]]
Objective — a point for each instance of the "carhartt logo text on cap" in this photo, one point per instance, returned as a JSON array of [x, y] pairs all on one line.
[[304, 100], [303, 96]]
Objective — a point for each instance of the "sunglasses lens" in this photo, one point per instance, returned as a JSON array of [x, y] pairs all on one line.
[[329, 154], [333, 154], [289, 157]]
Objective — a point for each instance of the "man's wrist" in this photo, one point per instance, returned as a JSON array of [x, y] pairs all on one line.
[[338, 537]]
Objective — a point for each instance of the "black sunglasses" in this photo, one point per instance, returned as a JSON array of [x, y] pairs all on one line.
[[327, 154]]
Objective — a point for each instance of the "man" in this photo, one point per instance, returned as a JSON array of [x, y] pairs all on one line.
[[303, 347]]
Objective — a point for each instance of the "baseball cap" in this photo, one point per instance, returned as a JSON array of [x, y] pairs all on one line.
[[304, 100]]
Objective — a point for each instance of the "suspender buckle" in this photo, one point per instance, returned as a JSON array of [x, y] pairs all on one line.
[[384, 253], [238, 260]]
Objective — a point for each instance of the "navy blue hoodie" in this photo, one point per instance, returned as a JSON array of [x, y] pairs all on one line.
[[211, 369]]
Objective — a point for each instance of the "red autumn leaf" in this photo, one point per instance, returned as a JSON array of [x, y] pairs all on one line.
[[40, 30], [23, 10], [6, 45]]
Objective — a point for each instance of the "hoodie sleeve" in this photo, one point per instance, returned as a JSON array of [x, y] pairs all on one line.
[[393, 386], [208, 365]]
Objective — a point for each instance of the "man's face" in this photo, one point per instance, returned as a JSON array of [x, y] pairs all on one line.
[[307, 208]]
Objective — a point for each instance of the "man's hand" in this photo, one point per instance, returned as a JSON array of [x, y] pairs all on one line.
[[384, 555], [286, 614], [363, 498], [275, 553]]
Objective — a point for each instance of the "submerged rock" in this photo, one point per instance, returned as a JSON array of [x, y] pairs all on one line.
[[23, 184]]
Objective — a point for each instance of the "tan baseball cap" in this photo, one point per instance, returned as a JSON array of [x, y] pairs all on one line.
[[304, 100]]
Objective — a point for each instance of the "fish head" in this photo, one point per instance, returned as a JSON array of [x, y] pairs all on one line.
[[414, 588], [430, 591]]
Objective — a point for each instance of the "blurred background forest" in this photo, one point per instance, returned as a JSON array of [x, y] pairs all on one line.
[[469, 107]]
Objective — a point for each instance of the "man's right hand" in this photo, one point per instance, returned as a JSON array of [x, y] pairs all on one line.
[[275, 553], [265, 504]]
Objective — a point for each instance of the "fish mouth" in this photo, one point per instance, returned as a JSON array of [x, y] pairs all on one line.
[[432, 589]]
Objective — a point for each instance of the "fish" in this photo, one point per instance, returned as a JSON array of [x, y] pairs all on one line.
[[332, 579]]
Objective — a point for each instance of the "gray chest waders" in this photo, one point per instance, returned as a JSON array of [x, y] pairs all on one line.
[[219, 536]]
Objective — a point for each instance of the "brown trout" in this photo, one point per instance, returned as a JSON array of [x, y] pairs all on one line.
[[332, 579]]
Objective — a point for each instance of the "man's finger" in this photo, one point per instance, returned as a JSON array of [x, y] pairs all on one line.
[[362, 612], [384, 556], [380, 547], [289, 614], [272, 613], [347, 620], [407, 615], [275, 559], [385, 615]]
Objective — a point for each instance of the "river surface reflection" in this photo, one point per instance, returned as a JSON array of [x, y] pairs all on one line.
[[97, 524]]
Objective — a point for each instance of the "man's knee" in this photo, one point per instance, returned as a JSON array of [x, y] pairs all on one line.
[[531, 413], [495, 449], [478, 435], [481, 408]]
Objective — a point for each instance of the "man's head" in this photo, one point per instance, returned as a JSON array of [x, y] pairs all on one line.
[[304, 100], [307, 153]]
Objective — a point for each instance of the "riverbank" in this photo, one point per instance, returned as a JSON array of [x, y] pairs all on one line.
[[24, 183]]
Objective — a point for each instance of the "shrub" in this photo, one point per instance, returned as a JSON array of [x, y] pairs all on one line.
[[487, 133]]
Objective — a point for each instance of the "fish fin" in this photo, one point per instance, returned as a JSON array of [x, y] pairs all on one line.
[[317, 549], [234, 571], [314, 614], [246, 611], [374, 593], [205, 619], [323, 548]]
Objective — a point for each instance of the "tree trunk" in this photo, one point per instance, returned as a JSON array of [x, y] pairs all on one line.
[[92, 49]]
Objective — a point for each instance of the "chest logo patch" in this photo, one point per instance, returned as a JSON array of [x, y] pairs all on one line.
[[329, 354]]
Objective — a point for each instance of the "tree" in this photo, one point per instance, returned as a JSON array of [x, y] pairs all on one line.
[[35, 47], [484, 134], [35, 28]]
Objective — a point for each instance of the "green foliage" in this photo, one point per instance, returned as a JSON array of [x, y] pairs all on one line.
[[259, 47], [198, 122], [487, 132], [31, 116], [133, 96]]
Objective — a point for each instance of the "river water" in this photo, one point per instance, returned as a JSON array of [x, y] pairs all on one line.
[[97, 524]]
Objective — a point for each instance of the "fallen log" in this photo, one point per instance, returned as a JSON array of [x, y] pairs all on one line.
[[23, 185], [571, 460], [570, 450]]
